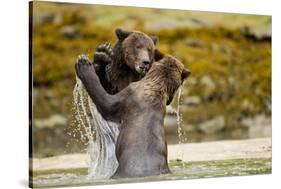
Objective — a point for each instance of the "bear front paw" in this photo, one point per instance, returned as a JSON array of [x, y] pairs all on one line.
[[83, 67], [103, 54]]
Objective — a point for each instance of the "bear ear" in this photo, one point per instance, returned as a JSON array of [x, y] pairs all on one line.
[[121, 34], [185, 73], [155, 39], [158, 55]]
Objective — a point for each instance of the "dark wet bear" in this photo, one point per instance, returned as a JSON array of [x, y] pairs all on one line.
[[141, 148], [130, 59]]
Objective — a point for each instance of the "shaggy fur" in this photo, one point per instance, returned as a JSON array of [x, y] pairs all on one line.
[[141, 148], [132, 57]]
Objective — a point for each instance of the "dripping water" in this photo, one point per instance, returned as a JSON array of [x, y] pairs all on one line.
[[182, 136], [98, 135], [181, 132]]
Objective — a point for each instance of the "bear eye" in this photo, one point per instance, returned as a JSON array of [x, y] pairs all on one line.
[[138, 46]]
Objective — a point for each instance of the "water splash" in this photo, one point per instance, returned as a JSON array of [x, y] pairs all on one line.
[[97, 134], [181, 132], [179, 116], [100, 135]]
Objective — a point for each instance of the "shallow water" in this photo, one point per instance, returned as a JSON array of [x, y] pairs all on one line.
[[188, 170], [100, 135]]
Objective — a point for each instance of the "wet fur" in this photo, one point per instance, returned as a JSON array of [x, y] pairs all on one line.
[[141, 148]]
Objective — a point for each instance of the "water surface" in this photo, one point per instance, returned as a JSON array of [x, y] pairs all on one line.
[[180, 170]]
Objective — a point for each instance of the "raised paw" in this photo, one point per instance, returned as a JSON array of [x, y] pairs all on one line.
[[103, 54], [105, 48], [84, 68]]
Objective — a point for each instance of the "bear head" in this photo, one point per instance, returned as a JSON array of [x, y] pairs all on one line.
[[137, 50], [170, 72]]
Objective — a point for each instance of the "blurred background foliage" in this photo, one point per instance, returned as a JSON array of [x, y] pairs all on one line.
[[228, 95]]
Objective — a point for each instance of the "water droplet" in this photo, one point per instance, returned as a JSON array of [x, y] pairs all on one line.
[[97, 134]]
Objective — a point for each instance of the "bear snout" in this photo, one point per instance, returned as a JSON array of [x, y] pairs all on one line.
[[146, 62], [143, 68], [144, 65]]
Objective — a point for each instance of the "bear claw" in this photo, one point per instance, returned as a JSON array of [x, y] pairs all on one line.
[[105, 48], [103, 54], [83, 67], [83, 59]]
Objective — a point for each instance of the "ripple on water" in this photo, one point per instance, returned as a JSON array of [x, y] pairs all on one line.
[[188, 170]]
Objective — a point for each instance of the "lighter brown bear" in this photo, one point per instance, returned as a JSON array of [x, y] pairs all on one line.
[[139, 109]]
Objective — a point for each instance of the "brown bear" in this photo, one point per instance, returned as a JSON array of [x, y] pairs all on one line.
[[129, 61], [141, 148]]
